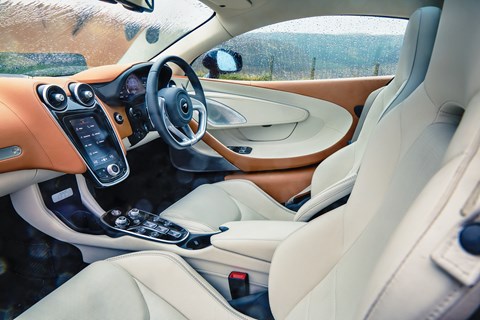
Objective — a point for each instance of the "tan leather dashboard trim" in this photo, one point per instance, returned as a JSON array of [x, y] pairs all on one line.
[[281, 185], [124, 129], [26, 123]]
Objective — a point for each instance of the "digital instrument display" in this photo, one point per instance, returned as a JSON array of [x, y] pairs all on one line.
[[95, 142], [134, 85]]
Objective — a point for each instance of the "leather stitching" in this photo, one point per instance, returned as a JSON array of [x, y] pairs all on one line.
[[442, 305], [458, 267], [147, 288]]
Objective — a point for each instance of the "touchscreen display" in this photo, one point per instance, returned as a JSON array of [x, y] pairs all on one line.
[[95, 141]]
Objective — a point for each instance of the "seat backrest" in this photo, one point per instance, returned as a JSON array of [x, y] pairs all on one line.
[[412, 65], [372, 258]]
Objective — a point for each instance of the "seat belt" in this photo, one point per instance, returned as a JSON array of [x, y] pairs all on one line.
[[366, 108]]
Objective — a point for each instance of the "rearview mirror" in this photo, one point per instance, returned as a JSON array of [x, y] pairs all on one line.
[[137, 5], [222, 61]]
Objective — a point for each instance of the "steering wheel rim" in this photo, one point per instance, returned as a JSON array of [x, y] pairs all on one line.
[[171, 109]]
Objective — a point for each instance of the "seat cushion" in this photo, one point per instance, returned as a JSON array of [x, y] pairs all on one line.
[[211, 205], [143, 285]]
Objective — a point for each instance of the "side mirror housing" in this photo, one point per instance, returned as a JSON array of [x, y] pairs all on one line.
[[222, 61]]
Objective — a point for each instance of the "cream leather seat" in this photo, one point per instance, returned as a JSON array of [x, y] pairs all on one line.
[[392, 252], [238, 200]]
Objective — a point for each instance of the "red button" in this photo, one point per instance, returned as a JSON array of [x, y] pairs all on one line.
[[238, 275]]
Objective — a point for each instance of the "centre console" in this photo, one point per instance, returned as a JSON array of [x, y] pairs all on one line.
[[144, 225], [89, 129]]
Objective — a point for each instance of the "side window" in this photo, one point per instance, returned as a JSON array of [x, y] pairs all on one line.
[[312, 48]]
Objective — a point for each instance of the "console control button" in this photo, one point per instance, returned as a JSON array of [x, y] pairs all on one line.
[[113, 169], [116, 213], [141, 230], [149, 224], [143, 224], [175, 234], [121, 222], [134, 213], [161, 229]]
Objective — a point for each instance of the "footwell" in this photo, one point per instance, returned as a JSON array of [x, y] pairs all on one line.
[[32, 264]]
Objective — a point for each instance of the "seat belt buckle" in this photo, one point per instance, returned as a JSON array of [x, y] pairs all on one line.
[[239, 284]]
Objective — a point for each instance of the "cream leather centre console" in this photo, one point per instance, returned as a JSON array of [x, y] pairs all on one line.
[[60, 208]]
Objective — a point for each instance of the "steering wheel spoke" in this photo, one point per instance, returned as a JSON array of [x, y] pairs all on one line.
[[189, 132], [171, 109]]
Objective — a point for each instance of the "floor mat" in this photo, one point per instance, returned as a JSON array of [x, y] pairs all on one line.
[[32, 264], [153, 184]]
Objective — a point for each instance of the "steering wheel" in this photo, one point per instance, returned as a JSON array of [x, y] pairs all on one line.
[[171, 109]]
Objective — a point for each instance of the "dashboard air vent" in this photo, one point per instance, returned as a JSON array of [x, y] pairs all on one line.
[[53, 96], [82, 93]]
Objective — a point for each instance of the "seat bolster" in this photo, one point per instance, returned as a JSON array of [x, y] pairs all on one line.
[[169, 277], [250, 195], [304, 260], [100, 291], [211, 205], [157, 307], [337, 167], [204, 209], [325, 198], [142, 285]]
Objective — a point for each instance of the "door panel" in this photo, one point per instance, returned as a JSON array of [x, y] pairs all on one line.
[[330, 121], [256, 112], [268, 132], [346, 93]]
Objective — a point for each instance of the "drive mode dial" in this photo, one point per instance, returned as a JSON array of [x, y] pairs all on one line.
[[134, 213], [121, 222], [113, 169]]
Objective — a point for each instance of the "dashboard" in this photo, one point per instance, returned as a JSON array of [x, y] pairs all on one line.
[[129, 90], [88, 128], [41, 140]]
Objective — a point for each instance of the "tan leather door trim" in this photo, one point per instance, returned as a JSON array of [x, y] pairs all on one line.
[[346, 93], [281, 185]]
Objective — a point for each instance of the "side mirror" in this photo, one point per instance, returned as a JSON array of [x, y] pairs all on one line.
[[222, 61]]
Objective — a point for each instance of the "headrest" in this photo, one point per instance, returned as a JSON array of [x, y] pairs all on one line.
[[416, 51], [418, 43], [454, 72]]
